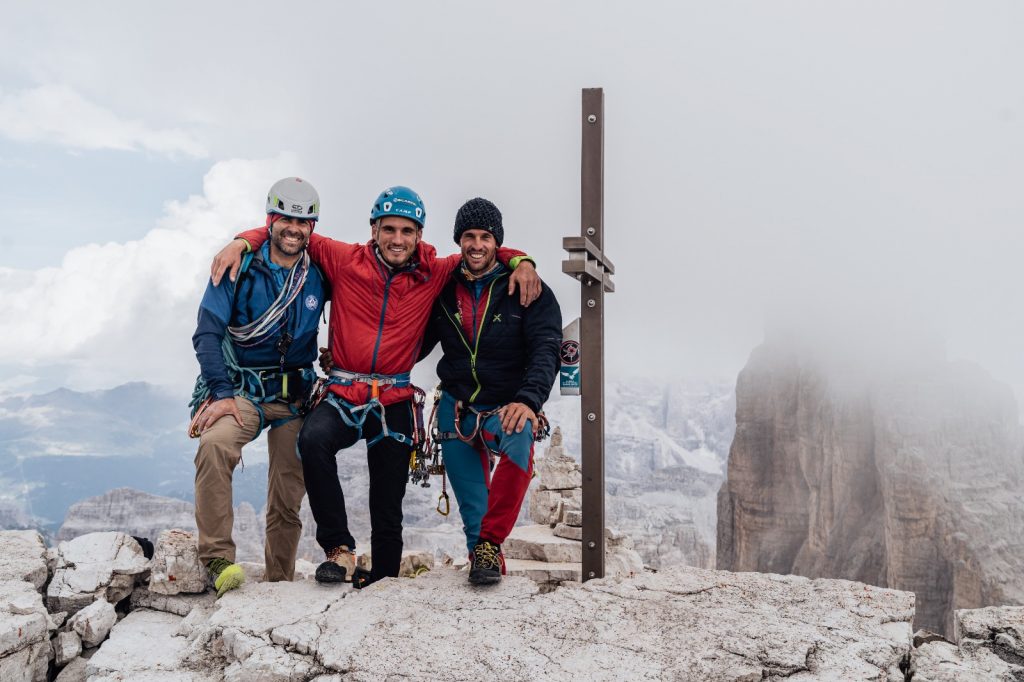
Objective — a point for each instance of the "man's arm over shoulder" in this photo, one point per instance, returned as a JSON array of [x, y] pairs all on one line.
[[432, 335], [211, 327], [542, 333]]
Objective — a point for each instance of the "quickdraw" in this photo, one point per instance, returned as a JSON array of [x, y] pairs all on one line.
[[425, 460]]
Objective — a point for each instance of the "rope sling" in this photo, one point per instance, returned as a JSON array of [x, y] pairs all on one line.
[[249, 381]]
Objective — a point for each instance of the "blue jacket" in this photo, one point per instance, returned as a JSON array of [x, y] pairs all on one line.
[[240, 302]]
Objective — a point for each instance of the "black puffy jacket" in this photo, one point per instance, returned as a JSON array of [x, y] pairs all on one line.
[[514, 358]]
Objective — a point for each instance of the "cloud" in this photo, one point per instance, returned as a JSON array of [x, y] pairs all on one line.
[[126, 311], [59, 115]]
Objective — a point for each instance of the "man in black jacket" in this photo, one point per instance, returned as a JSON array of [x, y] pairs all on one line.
[[500, 361]]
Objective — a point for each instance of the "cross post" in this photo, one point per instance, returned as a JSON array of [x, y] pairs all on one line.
[[588, 264]]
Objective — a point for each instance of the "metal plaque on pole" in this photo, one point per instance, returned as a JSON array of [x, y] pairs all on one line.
[[588, 264]]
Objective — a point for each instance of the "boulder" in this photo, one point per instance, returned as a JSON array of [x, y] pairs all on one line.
[[26, 665], [999, 629], [23, 557], [24, 632], [93, 623], [568, 532], [175, 567], [93, 566], [67, 646], [73, 671], [939, 661]]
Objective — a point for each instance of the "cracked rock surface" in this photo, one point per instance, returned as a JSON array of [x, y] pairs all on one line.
[[685, 623]]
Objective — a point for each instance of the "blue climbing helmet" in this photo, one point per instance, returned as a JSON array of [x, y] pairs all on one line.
[[400, 201]]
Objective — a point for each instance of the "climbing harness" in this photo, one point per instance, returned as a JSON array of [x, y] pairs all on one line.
[[355, 415], [420, 470], [252, 382]]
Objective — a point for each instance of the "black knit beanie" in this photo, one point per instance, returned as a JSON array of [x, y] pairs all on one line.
[[479, 214]]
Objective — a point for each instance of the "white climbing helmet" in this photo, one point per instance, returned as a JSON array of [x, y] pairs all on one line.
[[294, 197]]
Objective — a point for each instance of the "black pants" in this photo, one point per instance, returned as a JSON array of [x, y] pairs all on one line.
[[323, 434]]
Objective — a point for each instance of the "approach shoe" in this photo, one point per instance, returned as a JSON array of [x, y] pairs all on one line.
[[226, 575], [339, 567], [486, 563]]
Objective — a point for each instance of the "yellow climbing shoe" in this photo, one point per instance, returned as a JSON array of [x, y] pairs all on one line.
[[227, 576]]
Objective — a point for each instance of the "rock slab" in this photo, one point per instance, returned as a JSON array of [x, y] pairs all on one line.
[[176, 567], [23, 557]]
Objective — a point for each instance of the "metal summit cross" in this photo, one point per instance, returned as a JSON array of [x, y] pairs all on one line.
[[588, 264]]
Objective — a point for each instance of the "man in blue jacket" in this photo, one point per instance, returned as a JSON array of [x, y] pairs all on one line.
[[256, 341], [500, 361]]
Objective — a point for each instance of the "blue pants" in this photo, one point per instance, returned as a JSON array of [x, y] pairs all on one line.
[[488, 503]]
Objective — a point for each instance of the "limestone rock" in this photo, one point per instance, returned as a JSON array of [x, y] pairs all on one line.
[[73, 671], [558, 471], [568, 532], [415, 562], [999, 629], [622, 562], [142, 646], [175, 567], [574, 518], [26, 665], [93, 622], [93, 566], [539, 543], [910, 478], [943, 662], [547, 506], [23, 621], [544, 572], [67, 646], [178, 604], [682, 624], [23, 557]]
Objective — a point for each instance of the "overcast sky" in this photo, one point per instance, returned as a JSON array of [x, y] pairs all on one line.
[[850, 165]]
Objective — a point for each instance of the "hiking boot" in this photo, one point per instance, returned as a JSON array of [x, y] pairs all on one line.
[[340, 564], [486, 563], [226, 575]]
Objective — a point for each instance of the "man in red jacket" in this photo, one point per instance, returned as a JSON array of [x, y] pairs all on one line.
[[381, 296]]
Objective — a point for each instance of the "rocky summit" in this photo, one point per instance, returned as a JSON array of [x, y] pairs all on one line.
[[683, 623]]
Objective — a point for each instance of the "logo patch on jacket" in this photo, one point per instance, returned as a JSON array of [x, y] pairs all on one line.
[[312, 302]]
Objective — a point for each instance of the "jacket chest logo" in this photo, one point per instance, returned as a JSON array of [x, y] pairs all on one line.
[[497, 318]]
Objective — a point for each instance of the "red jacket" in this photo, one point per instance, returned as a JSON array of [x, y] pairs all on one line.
[[378, 315]]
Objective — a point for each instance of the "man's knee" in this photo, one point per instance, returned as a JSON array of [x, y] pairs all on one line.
[[216, 453]]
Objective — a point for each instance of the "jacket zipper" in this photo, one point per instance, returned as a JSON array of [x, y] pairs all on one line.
[[476, 341]]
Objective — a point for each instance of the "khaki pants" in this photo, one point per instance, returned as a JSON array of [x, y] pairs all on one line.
[[220, 450]]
